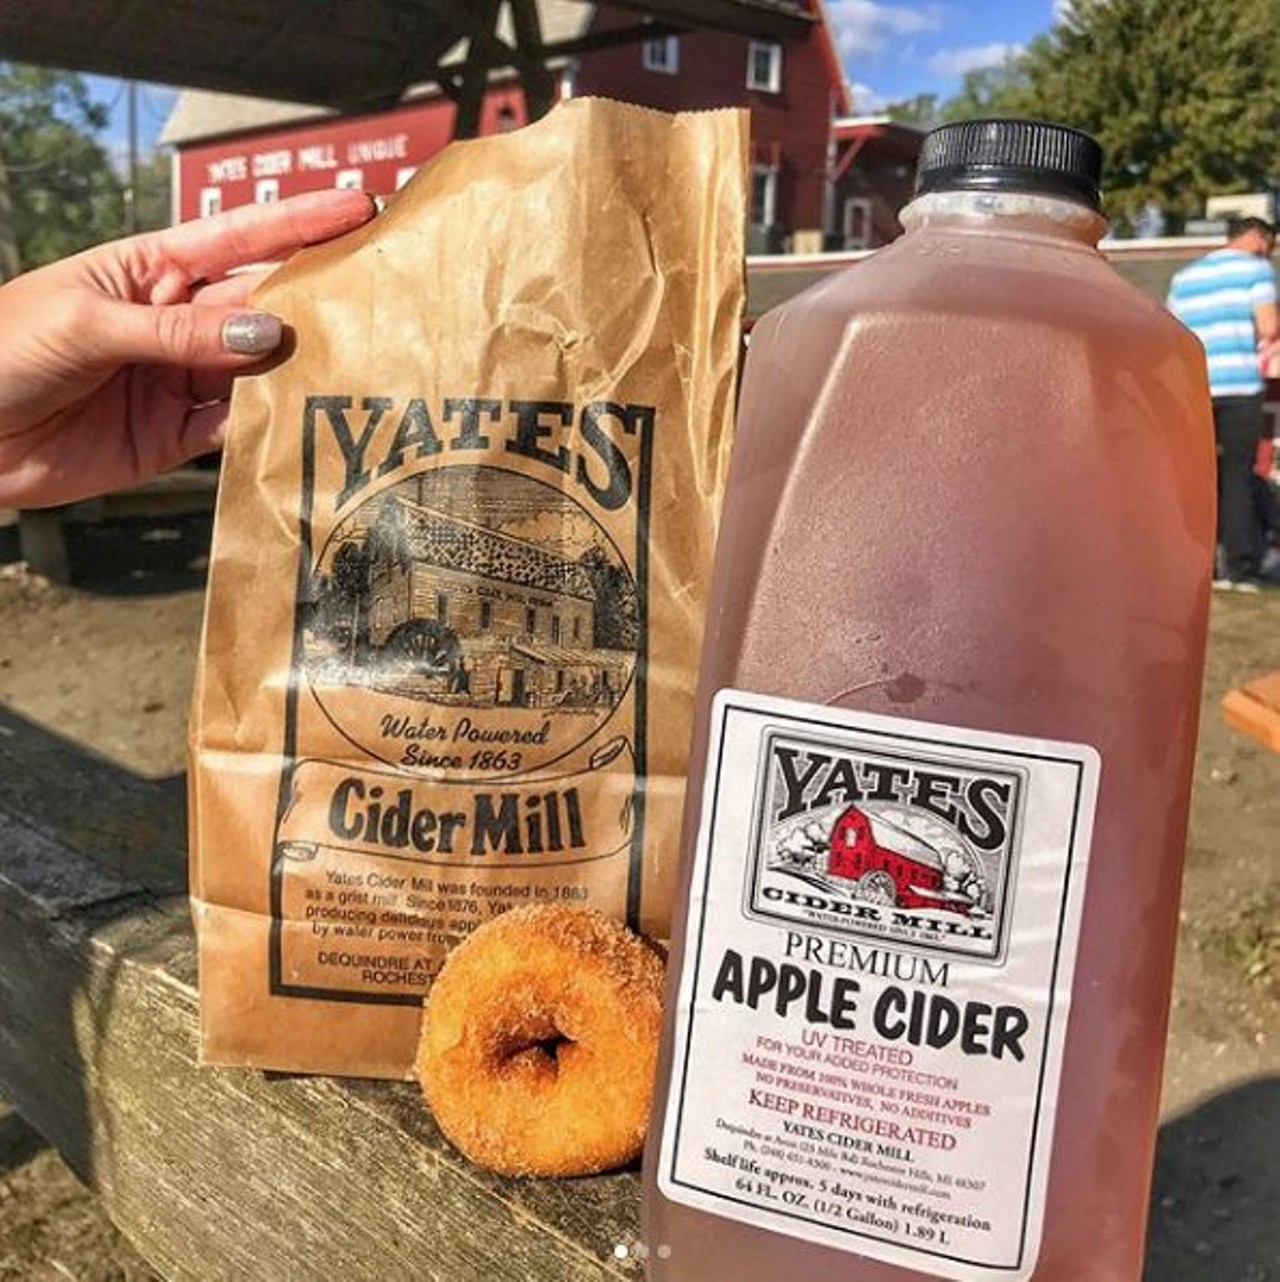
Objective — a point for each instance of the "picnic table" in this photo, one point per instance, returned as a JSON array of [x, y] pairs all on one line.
[[42, 532], [221, 1173]]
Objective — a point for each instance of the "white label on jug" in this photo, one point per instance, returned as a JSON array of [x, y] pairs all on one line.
[[878, 959]]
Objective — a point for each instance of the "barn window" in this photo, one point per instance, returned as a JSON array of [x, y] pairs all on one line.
[[267, 191], [442, 607], [764, 66], [555, 629], [764, 195], [857, 223], [210, 201], [662, 54], [577, 628], [486, 614], [530, 620], [559, 680], [349, 179]]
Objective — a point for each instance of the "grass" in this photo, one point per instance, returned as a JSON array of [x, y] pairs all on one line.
[[1248, 941]]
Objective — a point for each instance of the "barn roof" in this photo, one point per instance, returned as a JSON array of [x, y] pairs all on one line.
[[206, 113], [351, 54], [887, 826], [442, 539]]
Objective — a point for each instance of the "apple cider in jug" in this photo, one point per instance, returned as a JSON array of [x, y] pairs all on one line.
[[922, 955]]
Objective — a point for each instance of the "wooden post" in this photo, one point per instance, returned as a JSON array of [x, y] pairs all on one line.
[[538, 83], [486, 51], [42, 542], [475, 75]]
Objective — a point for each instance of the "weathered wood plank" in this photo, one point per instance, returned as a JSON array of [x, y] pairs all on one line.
[[106, 815], [221, 1174]]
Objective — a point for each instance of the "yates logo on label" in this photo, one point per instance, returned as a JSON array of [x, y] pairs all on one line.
[[857, 841]]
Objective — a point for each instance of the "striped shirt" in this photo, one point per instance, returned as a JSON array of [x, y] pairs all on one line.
[[1214, 297]]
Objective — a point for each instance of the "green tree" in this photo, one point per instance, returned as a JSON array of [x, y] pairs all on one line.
[[920, 110], [999, 90], [1183, 95], [155, 180], [349, 583], [615, 615], [63, 194]]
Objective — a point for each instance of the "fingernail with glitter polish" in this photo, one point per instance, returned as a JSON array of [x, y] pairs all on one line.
[[252, 333]]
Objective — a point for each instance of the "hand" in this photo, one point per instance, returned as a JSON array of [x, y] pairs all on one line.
[[116, 364]]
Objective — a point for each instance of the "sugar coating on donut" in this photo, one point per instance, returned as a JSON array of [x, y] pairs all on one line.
[[540, 1042]]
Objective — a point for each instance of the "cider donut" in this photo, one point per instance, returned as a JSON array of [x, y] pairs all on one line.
[[540, 1042]]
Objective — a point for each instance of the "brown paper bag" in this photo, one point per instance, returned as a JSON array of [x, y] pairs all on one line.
[[459, 569]]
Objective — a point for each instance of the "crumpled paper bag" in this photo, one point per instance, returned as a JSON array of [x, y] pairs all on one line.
[[460, 562]]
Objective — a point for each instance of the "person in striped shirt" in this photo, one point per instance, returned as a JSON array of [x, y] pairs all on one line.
[[1228, 300]]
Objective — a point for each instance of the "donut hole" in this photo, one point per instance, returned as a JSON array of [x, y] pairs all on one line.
[[534, 1045], [551, 1046]]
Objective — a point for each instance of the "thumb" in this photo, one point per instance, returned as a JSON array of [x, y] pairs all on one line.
[[189, 334]]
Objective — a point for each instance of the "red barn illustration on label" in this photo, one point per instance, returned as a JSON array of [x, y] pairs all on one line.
[[889, 864]]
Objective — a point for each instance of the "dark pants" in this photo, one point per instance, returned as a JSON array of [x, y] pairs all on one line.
[[1238, 425]]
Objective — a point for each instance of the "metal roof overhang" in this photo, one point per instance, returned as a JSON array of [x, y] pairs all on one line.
[[337, 53]]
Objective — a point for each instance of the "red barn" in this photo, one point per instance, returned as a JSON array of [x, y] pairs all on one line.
[[872, 178], [891, 865], [232, 151], [807, 177], [794, 92]]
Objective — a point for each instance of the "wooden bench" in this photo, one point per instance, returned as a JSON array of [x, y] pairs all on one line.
[[217, 1173], [42, 532]]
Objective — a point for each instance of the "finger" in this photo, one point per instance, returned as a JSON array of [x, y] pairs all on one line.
[[232, 291], [187, 334], [210, 384], [210, 247], [204, 431]]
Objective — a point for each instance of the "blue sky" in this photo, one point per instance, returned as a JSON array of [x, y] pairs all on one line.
[[899, 48], [891, 50], [154, 104]]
